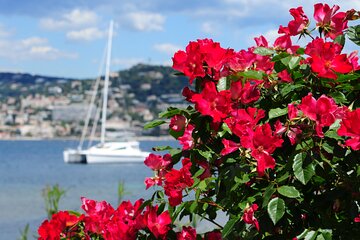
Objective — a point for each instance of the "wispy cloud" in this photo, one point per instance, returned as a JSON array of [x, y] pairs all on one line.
[[144, 21], [4, 32], [87, 34], [167, 48], [270, 36], [33, 41], [211, 28], [76, 18], [30, 49]]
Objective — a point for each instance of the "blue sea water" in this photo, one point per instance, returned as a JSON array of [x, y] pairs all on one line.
[[27, 167]]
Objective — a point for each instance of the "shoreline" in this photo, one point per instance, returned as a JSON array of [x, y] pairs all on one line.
[[140, 138]]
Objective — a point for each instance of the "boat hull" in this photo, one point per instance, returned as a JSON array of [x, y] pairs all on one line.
[[104, 158], [74, 156]]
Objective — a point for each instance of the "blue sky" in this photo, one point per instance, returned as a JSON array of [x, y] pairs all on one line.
[[66, 38]]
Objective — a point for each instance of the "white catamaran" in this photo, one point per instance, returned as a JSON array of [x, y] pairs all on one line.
[[104, 152]]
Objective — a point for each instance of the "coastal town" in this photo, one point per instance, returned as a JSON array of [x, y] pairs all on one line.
[[38, 107]]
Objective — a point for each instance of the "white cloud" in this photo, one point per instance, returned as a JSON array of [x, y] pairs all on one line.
[[76, 18], [30, 49], [33, 41], [87, 34], [47, 53], [167, 48], [3, 32], [271, 36], [144, 21], [210, 28]]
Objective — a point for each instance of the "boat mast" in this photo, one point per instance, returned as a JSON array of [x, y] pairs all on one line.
[[106, 84], [92, 103]]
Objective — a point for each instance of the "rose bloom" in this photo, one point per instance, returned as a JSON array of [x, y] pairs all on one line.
[[187, 233], [350, 127], [249, 217], [177, 123]]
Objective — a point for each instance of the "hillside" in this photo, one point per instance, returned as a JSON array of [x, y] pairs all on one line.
[[161, 79], [47, 107]]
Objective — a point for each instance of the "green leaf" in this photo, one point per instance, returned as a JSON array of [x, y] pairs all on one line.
[[162, 148], [203, 186], [303, 234], [199, 172], [206, 154], [320, 237], [310, 235], [289, 191], [223, 84], [328, 148], [277, 112], [245, 178], [340, 39], [347, 77], [302, 174], [229, 227], [280, 56], [276, 209], [268, 194], [74, 213], [169, 112], [279, 66], [291, 61], [193, 207], [225, 130], [339, 97], [300, 51], [294, 62], [326, 234], [263, 51], [251, 74], [154, 123], [283, 177], [331, 133], [353, 34], [289, 88]]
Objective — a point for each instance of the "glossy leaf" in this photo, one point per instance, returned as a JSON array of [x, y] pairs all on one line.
[[332, 134], [223, 84], [169, 112], [206, 154], [229, 227], [291, 61], [277, 112], [288, 88], [289, 191], [340, 39], [270, 190], [339, 97], [328, 148], [326, 234], [154, 123], [276, 209], [353, 33], [311, 235], [302, 174], [252, 74], [263, 51]]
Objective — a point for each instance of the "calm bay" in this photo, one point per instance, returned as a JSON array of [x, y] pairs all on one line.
[[27, 167]]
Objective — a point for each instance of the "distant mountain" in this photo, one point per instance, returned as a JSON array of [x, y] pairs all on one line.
[[26, 78], [162, 80], [141, 80]]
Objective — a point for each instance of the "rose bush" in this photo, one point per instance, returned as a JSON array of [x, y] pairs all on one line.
[[271, 139]]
